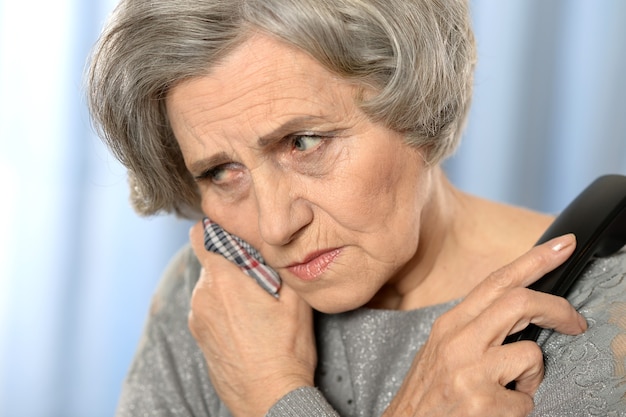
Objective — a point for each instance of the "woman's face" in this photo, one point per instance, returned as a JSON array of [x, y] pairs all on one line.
[[286, 160]]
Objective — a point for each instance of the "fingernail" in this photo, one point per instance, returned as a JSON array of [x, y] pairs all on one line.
[[562, 242]]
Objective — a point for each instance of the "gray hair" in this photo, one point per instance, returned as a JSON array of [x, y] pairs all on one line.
[[417, 55]]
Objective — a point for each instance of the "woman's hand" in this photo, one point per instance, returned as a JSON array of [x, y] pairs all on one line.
[[463, 368], [257, 348]]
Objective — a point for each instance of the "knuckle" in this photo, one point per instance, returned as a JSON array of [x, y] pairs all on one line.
[[534, 354], [202, 298], [442, 327], [562, 303], [196, 301], [524, 406], [192, 324], [461, 384], [448, 348], [502, 278], [531, 355], [536, 260], [436, 334], [440, 324], [478, 405], [518, 300]]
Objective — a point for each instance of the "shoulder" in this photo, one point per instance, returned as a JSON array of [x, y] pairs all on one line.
[[602, 282], [588, 372], [177, 283], [168, 373]]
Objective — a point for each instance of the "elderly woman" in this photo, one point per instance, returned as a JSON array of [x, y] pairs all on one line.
[[314, 131]]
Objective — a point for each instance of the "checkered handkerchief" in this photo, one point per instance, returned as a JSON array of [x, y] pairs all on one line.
[[241, 253]]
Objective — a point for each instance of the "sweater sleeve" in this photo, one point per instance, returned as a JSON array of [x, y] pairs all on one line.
[[168, 376], [302, 402]]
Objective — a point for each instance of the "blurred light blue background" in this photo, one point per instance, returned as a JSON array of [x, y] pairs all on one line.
[[78, 267]]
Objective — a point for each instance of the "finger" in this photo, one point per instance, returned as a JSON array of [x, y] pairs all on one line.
[[227, 278], [196, 237], [512, 403], [520, 307], [294, 302], [522, 272], [521, 362]]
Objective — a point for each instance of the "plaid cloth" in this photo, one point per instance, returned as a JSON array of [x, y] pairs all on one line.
[[241, 253]]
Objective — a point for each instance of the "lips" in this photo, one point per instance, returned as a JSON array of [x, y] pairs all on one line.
[[314, 265]]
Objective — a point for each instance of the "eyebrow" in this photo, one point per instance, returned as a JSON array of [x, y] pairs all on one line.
[[287, 128], [200, 166], [275, 135]]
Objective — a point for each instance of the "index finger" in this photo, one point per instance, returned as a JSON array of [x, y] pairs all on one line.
[[522, 272]]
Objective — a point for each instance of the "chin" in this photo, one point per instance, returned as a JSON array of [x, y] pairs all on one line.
[[334, 303]]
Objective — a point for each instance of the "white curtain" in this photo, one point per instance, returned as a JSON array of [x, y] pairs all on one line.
[[78, 267], [550, 100]]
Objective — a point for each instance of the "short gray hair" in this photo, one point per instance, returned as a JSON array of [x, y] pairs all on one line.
[[417, 55]]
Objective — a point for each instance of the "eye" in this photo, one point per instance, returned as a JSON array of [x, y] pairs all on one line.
[[223, 174], [303, 143]]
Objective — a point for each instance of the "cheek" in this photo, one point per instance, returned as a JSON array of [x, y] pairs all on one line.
[[378, 193]]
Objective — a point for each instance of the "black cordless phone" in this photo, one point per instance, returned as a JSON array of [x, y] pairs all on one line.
[[598, 219]]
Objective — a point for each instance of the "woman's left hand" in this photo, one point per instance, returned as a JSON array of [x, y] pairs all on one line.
[[257, 348], [463, 368]]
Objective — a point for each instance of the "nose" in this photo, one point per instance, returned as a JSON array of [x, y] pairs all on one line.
[[282, 206]]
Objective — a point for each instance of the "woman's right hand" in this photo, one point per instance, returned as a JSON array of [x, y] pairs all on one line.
[[463, 368], [257, 348]]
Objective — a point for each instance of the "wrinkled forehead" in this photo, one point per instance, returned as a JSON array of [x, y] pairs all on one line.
[[263, 82]]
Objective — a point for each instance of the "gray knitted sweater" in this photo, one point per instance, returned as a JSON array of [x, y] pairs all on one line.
[[363, 356]]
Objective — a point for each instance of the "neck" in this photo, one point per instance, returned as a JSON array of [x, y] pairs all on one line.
[[462, 240]]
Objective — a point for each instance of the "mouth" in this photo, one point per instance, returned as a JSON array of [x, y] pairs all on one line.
[[314, 265]]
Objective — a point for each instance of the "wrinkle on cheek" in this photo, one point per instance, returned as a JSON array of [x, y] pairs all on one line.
[[381, 194], [321, 236]]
